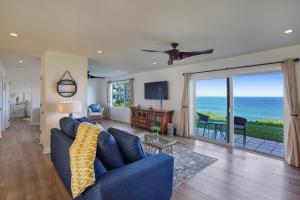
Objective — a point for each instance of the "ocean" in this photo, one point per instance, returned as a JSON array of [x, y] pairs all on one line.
[[251, 108]]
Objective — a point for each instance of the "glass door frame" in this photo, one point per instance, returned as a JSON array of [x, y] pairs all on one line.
[[192, 101], [229, 74]]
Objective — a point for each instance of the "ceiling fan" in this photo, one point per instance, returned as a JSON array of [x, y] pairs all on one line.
[[92, 76], [175, 54]]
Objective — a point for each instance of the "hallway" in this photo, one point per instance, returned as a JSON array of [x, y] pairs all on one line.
[[25, 172]]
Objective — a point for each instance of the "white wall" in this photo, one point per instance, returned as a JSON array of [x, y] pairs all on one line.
[[175, 79], [35, 99], [95, 92], [120, 114], [54, 65]]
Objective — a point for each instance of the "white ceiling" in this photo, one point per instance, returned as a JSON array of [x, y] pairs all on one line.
[[121, 28]]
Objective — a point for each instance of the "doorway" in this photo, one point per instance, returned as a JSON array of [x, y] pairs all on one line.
[[20, 99], [244, 110]]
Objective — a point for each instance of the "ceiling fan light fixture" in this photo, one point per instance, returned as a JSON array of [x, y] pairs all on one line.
[[13, 34], [99, 51], [288, 31], [154, 63]]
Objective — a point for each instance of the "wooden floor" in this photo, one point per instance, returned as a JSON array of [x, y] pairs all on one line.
[[26, 173]]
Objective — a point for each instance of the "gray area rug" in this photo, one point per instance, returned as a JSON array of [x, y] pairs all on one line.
[[188, 164]]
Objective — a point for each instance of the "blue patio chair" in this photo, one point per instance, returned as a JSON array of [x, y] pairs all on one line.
[[203, 119], [240, 124]]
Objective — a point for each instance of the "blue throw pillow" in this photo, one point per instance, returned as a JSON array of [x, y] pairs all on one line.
[[108, 151], [69, 126], [130, 145], [95, 107], [99, 168], [85, 119]]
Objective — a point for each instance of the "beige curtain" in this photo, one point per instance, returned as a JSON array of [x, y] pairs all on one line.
[[184, 115], [292, 154], [108, 100], [131, 82]]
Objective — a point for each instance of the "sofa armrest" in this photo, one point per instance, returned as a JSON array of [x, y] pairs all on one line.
[[147, 179], [60, 144]]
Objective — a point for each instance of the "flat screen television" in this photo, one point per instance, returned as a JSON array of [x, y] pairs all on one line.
[[156, 90]]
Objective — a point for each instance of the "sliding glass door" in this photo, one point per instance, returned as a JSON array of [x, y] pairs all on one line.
[[211, 109], [258, 113], [242, 110]]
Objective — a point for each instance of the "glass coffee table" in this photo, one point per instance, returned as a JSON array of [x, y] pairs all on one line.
[[156, 143]]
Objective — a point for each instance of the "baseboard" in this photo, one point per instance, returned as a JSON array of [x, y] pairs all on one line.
[[34, 124], [46, 149]]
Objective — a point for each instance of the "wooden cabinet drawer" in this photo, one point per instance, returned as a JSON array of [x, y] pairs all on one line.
[[146, 118]]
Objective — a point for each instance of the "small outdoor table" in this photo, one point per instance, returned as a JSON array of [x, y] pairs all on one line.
[[218, 126]]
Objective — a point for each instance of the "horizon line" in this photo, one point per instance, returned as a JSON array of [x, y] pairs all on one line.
[[240, 96]]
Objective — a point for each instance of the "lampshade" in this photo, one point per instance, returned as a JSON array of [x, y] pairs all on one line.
[[70, 107]]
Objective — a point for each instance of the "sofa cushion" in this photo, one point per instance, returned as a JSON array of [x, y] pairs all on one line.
[[99, 168], [69, 126], [130, 145], [108, 151], [85, 119]]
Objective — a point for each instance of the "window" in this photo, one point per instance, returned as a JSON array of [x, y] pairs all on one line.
[[121, 94]]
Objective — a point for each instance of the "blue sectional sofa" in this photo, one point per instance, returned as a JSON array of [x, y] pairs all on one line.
[[141, 176]]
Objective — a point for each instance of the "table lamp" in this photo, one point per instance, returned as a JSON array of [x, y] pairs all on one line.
[[70, 107]]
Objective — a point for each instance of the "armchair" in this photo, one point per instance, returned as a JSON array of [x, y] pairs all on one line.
[[95, 112]]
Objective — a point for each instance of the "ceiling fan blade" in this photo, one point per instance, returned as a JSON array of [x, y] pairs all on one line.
[[91, 76], [150, 50], [168, 51], [170, 62], [194, 53]]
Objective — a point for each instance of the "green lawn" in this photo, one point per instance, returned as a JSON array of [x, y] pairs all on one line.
[[264, 129], [272, 133]]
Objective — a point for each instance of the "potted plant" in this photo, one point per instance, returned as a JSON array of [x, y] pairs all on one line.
[[155, 130]]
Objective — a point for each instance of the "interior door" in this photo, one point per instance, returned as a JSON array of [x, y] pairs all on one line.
[[7, 105], [1, 105]]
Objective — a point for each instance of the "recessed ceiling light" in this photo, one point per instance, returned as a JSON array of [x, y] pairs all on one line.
[[13, 34], [288, 31], [20, 61], [154, 63], [99, 51], [20, 68]]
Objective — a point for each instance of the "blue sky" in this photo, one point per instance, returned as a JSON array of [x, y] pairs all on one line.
[[262, 85]]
